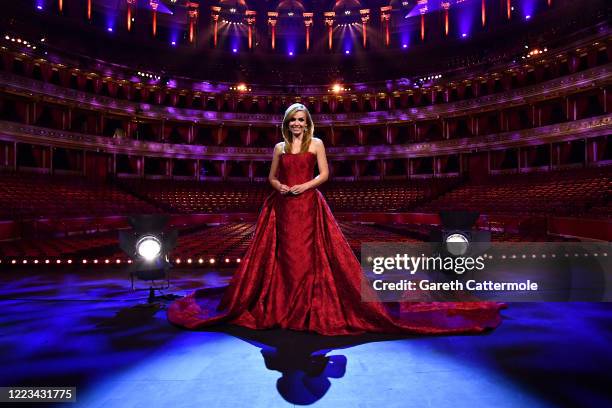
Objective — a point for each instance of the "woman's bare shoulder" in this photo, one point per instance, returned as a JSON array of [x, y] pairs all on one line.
[[279, 147], [317, 142]]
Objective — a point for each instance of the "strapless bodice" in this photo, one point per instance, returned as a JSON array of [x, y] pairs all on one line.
[[296, 168]]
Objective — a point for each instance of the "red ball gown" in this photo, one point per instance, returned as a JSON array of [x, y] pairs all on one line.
[[300, 273]]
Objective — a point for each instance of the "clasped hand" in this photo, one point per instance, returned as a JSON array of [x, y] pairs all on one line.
[[297, 189]]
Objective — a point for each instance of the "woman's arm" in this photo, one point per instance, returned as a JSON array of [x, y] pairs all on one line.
[[274, 182], [323, 169]]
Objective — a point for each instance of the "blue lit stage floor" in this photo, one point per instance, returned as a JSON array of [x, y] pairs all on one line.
[[85, 328]]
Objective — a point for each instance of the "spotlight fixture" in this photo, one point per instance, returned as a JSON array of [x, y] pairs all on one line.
[[457, 237], [148, 245]]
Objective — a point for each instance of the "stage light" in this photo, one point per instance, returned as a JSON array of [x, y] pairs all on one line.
[[84, 261], [527, 17], [25, 261], [109, 29], [464, 35], [211, 260], [6, 37], [227, 260], [36, 261], [14, 261], [59, 261], [337, 88], [47, 261], [457, 244], [200, 261], [149, 247], [234, 50], [117, 261], [95, 261], [457, 236], [347, 52], [43, 39], [173, 43], [39, 7], [237, 260], [405, 46], [291, 53], [106, 261]]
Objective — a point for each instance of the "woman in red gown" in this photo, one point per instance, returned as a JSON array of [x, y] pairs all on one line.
[[300, 273]]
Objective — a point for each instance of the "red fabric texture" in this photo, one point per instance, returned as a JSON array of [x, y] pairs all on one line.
[[300, 273]]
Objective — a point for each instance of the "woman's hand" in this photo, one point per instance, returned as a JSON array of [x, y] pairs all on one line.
[[298, 189], [284, 189]]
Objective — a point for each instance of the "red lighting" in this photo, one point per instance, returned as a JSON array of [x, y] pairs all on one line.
[[422, 27], [483, 13]]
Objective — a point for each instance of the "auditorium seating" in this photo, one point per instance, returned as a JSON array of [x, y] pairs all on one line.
[[219, 197], [189, 197], [383, 196], [33, 195], [562, 193]]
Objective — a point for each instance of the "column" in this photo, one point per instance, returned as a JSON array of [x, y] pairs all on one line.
[[215, 16], [250, 19], [130, 5], [385, 17], [192, 11], [272, 19], [446, 6], [154, 5], [365, 16], [308, 25], [422, 5], [330, 16]]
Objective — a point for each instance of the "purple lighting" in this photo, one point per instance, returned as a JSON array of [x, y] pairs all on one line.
[[347, 52], [291, 53], [527, 17], [234, 50], [173, 43], [464, 35], [405, 46], [109, 29], [39, 7]]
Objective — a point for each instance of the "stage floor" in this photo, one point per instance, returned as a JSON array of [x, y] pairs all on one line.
[[86, 328]]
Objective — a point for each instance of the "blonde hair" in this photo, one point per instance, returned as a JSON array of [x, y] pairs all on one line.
[[308, 131]]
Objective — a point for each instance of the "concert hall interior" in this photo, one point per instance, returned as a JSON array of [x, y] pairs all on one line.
[[172, 108]]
